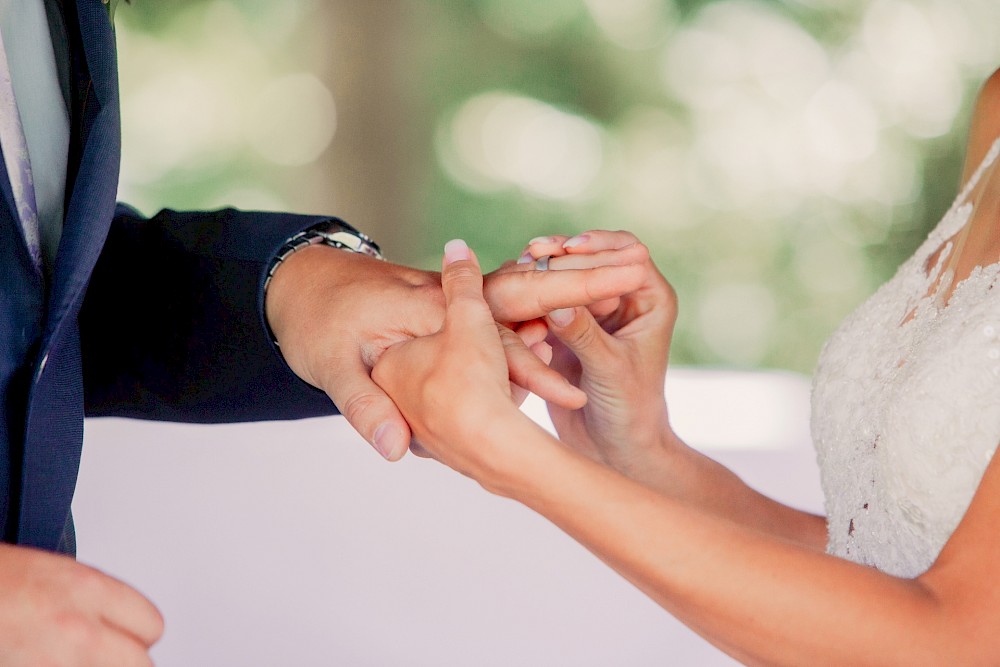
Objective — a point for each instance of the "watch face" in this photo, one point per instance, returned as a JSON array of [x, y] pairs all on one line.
[[344, 236]]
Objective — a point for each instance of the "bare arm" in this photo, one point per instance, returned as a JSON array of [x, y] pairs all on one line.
[[619, 358], [985, 127], [763, 599]]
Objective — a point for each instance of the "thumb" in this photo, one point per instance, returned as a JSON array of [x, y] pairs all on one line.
[[577, 329], [461, 277], [369, 409]]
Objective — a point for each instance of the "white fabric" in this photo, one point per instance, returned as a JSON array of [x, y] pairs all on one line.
[[44, 117], [906, 410]]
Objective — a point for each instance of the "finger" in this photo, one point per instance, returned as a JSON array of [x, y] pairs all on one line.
[[533, 336], [541, 246], [419, 450], [518, 394], [111, 647], [118, 605], [597, 240], [543, 351], [368, 409], [527, 370], [462, 284], [604, 308], [526, 295], [577, 329], [634, 253], [532, 332]]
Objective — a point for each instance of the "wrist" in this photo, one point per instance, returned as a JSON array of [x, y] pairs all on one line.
[[510, 453], [334, 233], [656, 458], [291, 291]]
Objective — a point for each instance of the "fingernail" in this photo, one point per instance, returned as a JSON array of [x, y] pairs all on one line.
[[541, 239], [456, 250], [576, 240], [385, 440], [543, 351], [562, 317], [526, 258]]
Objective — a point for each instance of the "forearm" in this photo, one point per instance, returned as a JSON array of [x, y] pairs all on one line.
[[172, 323], [765, 600], [678, 471]]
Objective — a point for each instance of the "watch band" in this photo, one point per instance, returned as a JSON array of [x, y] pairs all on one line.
[[335, 233]]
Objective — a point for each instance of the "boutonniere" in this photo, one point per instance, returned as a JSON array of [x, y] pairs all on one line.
[[112, 5]]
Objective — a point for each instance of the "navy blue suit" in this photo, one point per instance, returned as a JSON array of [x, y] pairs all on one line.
[[156, 319]]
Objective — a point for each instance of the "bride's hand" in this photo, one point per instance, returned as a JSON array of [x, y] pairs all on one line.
[[453, 384], [517, 295], [616, 352]]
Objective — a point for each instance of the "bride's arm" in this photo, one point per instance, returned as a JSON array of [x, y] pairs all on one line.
[[763, 599], [985, 125], [620, 360]]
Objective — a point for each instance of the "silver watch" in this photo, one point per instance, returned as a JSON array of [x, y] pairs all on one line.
[[335, 233]]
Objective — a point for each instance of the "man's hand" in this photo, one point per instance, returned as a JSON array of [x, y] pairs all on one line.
[[334, 313], [55, 611]]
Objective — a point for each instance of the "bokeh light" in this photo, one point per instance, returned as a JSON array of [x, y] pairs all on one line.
[[780, 159], [508, 140]]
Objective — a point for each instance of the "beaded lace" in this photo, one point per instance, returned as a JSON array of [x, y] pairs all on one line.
[[906, 404]]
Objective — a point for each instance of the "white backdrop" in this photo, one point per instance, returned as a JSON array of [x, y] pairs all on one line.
[[295, 544]]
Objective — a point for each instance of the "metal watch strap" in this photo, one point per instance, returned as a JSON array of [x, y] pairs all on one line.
[[334, 233]]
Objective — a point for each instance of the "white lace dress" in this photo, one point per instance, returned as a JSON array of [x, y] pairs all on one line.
[[906, 407]]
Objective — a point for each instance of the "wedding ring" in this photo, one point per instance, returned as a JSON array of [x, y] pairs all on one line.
[[542, 263]]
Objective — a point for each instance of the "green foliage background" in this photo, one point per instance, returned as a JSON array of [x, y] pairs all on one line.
[[774, 206]]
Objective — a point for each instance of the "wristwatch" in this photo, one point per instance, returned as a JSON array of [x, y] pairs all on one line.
[[334, 232]]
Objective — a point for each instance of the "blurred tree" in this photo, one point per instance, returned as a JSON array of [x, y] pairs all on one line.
[[781, 157]]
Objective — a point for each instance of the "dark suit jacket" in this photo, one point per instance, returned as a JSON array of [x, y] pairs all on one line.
[[156, 319]]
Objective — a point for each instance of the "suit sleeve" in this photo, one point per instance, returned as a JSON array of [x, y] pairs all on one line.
[[173, 323]]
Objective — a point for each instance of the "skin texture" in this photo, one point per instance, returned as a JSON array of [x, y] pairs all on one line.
[[745, 572], [59, 612], [334, 313], [619, 358]]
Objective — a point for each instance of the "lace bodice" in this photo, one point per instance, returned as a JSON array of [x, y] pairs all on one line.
[[906, 406]]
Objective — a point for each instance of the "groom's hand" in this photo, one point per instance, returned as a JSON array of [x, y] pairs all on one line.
[[55, 611], [334, 313]]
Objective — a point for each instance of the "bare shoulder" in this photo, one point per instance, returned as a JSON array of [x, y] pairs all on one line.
[[985, 125]]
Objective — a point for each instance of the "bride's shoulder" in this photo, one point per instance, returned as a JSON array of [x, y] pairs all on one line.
[[985, 126]]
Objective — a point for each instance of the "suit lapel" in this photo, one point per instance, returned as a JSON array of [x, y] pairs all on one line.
[[54, 433], [95, 157]]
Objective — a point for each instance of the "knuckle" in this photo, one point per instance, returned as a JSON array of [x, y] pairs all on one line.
[[462, 272], [358, 406], [640, 249], [671, 295], [86, 583], [628, 235], [429, 293], [582, 337]]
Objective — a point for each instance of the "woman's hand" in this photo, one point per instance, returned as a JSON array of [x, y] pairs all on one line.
[[616, 352], [453, 384], [618, 356], [334, 313]]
